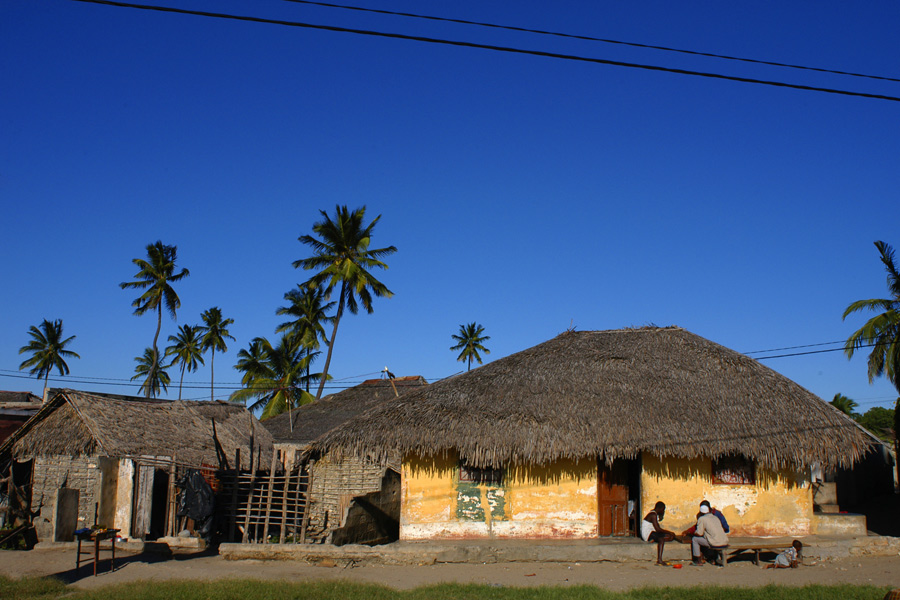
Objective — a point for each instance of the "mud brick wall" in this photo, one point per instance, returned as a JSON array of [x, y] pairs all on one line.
[[50, 474], [373, 518], [334, 484]]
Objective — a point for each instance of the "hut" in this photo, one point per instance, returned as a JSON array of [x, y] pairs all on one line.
[[15, 409], [578, 436], [353, 499], [104, 459]]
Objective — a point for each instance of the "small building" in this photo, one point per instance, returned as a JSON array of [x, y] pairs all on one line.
[[334, 484], [579, 436], [113, 460], [15, 409]]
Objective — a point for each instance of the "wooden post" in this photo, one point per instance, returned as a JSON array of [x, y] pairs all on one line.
[[284, 500], [171, 505], [265, 533], [309, 482], [253, 466], [234, 494]]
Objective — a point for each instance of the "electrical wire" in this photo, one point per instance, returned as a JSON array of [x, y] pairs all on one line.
[[508, 49], [592, 39], [795, 347]]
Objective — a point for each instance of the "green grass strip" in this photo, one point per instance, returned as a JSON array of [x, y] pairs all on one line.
[[235, 589]]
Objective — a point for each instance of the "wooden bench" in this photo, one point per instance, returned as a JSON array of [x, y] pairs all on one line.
[[756, 547]]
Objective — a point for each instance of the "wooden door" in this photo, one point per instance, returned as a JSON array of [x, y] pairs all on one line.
[[612, 498], [66, 514], [143, 500]]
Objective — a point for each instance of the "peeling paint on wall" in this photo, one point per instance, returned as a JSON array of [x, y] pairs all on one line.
[[552, 501], [780, 503]]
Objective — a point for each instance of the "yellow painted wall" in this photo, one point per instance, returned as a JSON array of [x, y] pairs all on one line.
[[779, 504], [557, 500]]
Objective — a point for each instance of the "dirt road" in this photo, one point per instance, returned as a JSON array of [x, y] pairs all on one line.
[[880, 571]]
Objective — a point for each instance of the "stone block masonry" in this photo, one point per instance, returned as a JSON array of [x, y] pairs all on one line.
[[53, 473]]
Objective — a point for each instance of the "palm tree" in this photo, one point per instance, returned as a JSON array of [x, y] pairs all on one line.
[[250, 361], [341, 255], [155, 275], [214, 335], [845, 405], [882, 333], [274, 375], [153, 372], [470, 342], [48, 350], [186, 349], [307, 305]]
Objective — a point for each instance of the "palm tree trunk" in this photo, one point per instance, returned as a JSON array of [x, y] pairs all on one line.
[[212, 374], [152, 372], [337, 320], [897, 435], [181, 383], [47, 376]]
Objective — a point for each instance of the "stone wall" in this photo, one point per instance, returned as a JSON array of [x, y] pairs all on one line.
[[374, 518], [51, 474], [334, 485]]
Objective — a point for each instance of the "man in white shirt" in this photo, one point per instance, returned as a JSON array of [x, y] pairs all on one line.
[[709, 534]]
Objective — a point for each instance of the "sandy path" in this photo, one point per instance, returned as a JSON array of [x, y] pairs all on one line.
[[880, 571]]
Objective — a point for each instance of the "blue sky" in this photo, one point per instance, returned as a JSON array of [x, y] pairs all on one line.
[[526, 193]]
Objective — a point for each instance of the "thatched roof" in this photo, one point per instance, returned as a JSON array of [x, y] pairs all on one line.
[[19, 400], [611, 394], [307, 422], [74, 423]]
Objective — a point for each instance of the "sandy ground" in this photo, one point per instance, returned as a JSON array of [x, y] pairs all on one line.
[[879, 571]]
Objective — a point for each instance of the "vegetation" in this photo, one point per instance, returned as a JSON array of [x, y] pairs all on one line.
[[845, 405], [48, 350], [51, 589], [470, 342], [214, 331], [155, 275], [880, 421], [274, 376], [882, 334], [149, 366], [341, 255], [186, 350], [307, 306]]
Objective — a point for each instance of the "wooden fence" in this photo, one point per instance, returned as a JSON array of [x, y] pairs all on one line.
[[266, 506]]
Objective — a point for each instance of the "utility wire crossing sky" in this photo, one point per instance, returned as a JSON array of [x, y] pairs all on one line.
[[530, 189]]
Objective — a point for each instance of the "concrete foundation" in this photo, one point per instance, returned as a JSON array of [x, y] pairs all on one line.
[[571, 551], [839, 525]]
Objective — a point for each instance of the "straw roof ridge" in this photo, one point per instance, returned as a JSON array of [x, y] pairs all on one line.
[[75, 422], [308, 422], [611, 394], [18, 398]]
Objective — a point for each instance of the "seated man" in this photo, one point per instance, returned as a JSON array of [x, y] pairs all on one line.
[[714, 511], [709, 534], [652, 532], [688, 533]]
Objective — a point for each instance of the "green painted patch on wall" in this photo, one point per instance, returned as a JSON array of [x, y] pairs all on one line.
[[472, 497]]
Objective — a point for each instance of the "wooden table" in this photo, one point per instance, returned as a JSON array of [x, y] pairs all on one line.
[[96, 536], [755, 547]]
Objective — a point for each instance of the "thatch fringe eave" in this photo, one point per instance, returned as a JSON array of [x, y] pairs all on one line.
[[610, 394]]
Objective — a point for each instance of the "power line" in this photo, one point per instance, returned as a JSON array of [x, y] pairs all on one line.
[[348, 381], [816, 351], [508, 49], [593, 39], [795, 347]]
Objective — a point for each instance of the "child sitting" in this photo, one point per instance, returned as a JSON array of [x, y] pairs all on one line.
[[790, 558]]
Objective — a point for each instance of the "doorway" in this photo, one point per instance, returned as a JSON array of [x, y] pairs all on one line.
[[618, 487]]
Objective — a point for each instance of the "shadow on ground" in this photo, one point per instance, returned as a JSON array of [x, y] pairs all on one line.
[[150, 555]]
